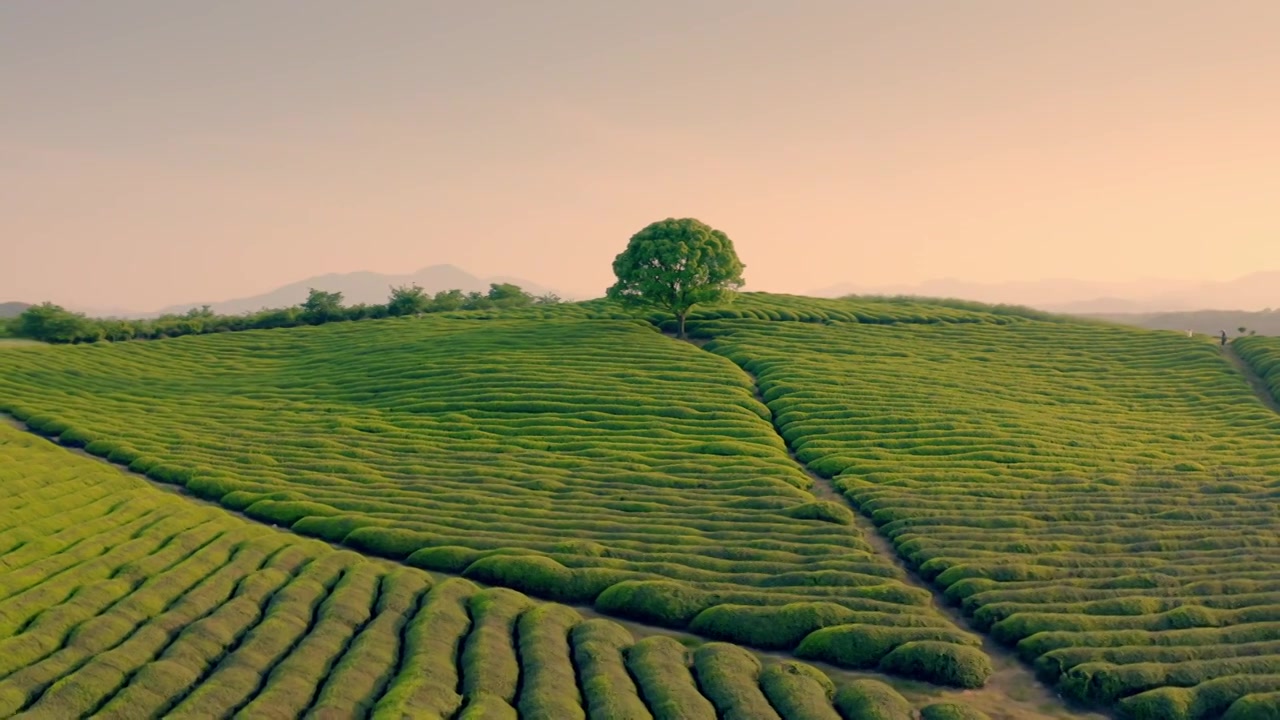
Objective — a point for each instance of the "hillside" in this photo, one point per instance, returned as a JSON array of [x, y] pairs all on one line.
[[802, 476], [122, 601], [618, 478], [356, 288]]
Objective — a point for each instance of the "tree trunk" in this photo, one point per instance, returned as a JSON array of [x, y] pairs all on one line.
[[680, 317]]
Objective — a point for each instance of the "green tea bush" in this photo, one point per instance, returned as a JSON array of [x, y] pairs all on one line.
[[951, 711], [549, 688], [941, 663], [799, 691], [448, 558], [1207, 700], [660, 666], [1260, 706], [868, 699], [729, 677], [864, 646], [607, 688], [490, 666], [660, 602], [428, 684]]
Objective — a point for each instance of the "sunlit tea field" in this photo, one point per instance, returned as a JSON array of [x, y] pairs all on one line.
[[1107, 500], [118, 600], [593, 462], [1101, 501]]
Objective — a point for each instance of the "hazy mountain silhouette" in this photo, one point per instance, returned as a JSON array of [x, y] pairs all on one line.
[[12, 309], [1251, 292], [359, 287]]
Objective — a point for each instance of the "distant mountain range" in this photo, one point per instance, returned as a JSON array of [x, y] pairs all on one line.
[[358, 287], [1252, 292], [12, 309], [1204, 322]]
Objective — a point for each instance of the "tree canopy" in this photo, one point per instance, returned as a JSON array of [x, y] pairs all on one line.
[[676, 264], [322, 307]]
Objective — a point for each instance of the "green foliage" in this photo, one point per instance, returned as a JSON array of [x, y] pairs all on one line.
[[861, 646], [676, 264], [868, 699], [544, 577], [1103, 497], [490, 666], [1260, 706], [51, 323], [941, 663], [785, 626], [798, 691], [607, 688], [322, 307], [661, 602], [549, 690], [729, 676], [408, 300], [660, 666], [951, 711], [1207, 700]]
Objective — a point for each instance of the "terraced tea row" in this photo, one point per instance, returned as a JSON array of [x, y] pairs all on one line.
[[581, 461], [120, 601], [1106, 499], [785, 308]]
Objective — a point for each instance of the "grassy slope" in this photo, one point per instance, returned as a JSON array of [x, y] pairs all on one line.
[[579, 461], [121, 600], [1263, 355], [1106, 498]]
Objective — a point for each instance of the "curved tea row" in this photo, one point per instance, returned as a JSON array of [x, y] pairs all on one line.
[[120, 601], [580, 461], [1107, 500]]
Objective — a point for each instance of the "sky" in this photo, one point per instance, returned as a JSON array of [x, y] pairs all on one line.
[[167, 151]]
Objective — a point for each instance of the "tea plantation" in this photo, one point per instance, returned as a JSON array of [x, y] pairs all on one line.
[[118, 600], [1106, 499], [580, 461]]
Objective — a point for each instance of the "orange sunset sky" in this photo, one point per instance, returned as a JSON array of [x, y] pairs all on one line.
[[160, 152]]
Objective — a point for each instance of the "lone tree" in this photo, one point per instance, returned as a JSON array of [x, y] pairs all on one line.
[[322, 307], [407, 300], [676, 264]]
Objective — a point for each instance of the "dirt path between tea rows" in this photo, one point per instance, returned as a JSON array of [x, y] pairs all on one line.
[[1256, 383], [1012, 678]]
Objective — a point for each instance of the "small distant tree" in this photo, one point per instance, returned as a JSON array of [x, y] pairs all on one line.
[[408, 300], [676, 264], [547, 298], [52, 323], [447, 300], [1241, 330], [322, 307], [505, 295]]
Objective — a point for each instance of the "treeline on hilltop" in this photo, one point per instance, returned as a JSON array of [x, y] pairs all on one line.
[[51, 323]]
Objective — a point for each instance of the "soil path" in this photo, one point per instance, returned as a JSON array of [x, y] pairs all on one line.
[[1012, 678], [1256, 383]]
